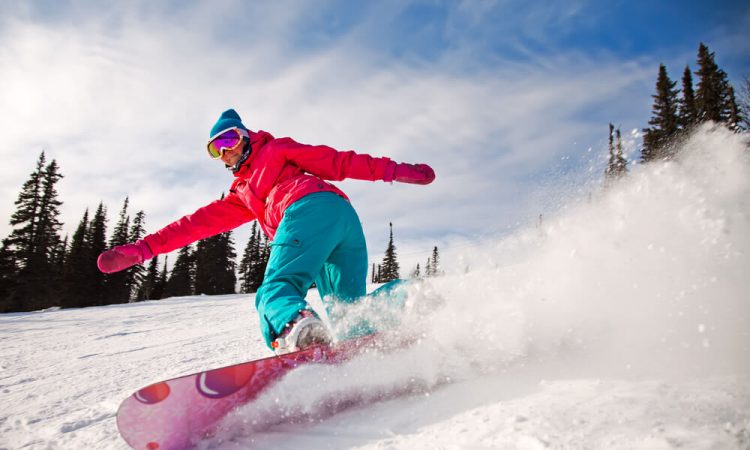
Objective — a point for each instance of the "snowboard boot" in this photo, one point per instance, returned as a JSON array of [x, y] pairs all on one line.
[[304, 331]]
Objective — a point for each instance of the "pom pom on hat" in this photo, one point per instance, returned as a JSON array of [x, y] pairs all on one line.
[[228, 119]]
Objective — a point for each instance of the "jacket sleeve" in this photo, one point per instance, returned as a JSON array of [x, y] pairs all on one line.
[[216, 217], [334, 165]]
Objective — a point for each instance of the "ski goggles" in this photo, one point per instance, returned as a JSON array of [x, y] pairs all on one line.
[[225, 140]]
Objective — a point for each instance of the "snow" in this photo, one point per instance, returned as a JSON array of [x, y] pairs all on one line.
[[624, 322]]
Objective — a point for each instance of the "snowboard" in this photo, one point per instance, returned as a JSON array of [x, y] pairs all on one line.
[[178, 413]]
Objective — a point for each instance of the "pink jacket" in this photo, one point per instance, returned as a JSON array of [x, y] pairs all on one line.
[[277, 173]]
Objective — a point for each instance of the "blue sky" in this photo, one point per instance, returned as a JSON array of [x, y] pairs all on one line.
[[508, 100]]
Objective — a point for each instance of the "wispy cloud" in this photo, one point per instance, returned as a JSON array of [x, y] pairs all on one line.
[[124, 102]]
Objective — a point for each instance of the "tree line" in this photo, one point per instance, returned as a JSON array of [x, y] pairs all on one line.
[[39, 269], [389, 268], [676, 112]]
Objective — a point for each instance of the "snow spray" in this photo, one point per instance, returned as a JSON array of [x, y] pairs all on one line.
[[649, 277]]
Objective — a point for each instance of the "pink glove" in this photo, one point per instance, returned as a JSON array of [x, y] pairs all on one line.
[[413, 173], [124, 256]]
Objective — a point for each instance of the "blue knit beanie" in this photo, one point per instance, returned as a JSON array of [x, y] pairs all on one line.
[[228, 119]]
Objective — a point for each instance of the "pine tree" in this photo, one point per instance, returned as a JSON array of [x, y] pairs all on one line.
[[75, 286], [617, 165], [390, 268], [8, 279], [688, 112], [621, 164], [744, 105], [147, 287], [118, 283], [19, 246], [265, 255], [657, 139], [715, 99], [711, 84], [161, 282], [611, 150], [258, 267], [120, 232], [228, 257], [136, 273], [22, 239], [734, 120], [59, 258], [244, 267], [34, 243], [433, 263], [416, 273], [263, 250], [181, 280], [215, 265], [205, 266], [49, 226], [96, 239], [252, 262]]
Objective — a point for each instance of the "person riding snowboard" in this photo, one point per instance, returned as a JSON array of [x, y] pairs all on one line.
[[315, 233]]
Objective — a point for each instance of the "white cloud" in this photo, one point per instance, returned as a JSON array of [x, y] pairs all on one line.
[[124, 103]]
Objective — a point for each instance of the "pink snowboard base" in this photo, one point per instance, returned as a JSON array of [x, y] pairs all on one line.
[[177, 413]]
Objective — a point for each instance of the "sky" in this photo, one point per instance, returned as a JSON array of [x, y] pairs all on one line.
[[509, 101]]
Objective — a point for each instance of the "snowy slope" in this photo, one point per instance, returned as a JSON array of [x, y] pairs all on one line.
[[622, 323]]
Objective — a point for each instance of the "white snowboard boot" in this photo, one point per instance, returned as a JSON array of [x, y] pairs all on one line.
[[304, 331]]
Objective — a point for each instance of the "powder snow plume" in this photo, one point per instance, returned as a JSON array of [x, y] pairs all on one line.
[[644, 280]]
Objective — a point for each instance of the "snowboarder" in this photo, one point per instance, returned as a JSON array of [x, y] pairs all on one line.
[[315, 234]]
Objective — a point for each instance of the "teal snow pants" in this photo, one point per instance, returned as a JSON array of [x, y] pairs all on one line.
[[319, 240]]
